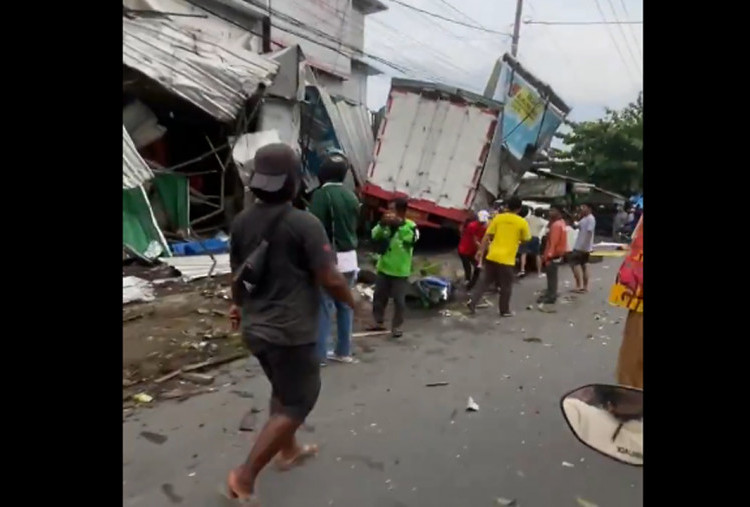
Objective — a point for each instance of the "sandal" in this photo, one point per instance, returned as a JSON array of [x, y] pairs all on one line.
[[305, 452], [227, 491]]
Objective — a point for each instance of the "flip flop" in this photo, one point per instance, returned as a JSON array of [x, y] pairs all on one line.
[[225, 490], [306, 451]]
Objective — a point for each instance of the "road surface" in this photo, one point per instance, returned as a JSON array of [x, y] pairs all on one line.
[[387, 440]]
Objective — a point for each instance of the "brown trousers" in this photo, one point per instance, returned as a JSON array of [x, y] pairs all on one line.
[[495, 275], [630, 361]]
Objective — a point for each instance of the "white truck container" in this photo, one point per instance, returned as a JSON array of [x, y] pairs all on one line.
[[431, 147]]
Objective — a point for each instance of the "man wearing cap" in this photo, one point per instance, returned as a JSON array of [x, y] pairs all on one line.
[[471, 235], [279, 314], [338, 209]]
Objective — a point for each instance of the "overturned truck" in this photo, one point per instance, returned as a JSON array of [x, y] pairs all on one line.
[[451, 151]]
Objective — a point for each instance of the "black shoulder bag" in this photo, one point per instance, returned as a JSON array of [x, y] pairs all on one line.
[[253, 268]]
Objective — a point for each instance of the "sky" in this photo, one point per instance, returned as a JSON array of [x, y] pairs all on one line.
[[582, 63]]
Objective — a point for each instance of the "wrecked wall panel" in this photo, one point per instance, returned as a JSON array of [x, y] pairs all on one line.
[[201, 65], [135, 171]]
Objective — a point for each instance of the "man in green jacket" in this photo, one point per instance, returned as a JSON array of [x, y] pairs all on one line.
[[398, 235], [338, 209]]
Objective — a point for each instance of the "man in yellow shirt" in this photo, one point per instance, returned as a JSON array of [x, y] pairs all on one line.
[[504, 235]]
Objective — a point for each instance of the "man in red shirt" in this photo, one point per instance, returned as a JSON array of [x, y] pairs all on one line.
[[554, 252], [471, 235]]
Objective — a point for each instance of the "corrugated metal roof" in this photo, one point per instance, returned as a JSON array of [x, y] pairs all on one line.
[[196, 61], [194, 267], [134, 168], [351, 122]]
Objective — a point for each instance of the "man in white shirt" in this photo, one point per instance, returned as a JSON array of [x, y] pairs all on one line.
[[584, 244], [537, 224]]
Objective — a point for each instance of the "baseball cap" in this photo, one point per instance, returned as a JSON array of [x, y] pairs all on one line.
[[273, 164]]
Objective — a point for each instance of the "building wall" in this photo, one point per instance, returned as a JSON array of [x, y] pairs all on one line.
[[354, 88]]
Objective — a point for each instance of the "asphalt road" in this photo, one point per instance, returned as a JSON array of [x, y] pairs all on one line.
[[389, 441]]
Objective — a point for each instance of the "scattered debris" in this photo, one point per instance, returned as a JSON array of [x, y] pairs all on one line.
[[365, 334], [471, 405], [154, 438], [183, 394], [248, 421], [143, 398], [532, 339], [366, 291], [506, 502], [168, 490], [437, 384], [568, 465], [197, 378], [217, 361], [585, 503], [136, 289]]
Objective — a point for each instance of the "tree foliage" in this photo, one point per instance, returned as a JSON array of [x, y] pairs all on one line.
[[608, 152]]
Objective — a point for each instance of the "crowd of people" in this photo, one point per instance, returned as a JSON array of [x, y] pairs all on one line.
[[293, 269], [492, 245]]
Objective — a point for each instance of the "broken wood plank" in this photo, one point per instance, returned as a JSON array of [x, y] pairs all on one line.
[[215, 361], [365, 334], [183, 394], [168, 376], [197, 378]]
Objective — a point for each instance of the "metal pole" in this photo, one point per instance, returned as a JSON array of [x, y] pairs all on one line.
[[516, 29]]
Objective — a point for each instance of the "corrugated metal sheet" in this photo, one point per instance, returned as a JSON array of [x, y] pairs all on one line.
[[194, 267], [432, 147], [197, 62], [134, 168], [351, 122]]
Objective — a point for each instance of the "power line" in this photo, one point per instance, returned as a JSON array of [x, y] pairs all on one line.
[[622, 32], [532, 22], [449, 20], [632, 32], [459, 11], [614, 43]]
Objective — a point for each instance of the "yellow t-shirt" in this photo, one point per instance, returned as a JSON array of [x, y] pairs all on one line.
[[509, 231]]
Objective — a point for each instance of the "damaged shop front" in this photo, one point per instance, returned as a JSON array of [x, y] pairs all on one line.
[[192, 85]]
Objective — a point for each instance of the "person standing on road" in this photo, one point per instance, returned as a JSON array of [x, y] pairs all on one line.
[[500, 243], [337, 208], [621, 218], [554, 252], [398, 235], [584, 244], [536, 225], [627, 292], [279, 314], [471, 235]]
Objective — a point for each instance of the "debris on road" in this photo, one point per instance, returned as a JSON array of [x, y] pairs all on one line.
[[154, 438], [136, 289], [217, 361], [183, 394], [437, 384], [143, 398], [197, 378], [585, 503], [532, 339], [507, 502], [471, 405], [568, 465], [365, 334], [249, 420]]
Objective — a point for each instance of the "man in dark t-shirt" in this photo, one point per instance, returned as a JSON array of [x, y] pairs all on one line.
[[279, 315]]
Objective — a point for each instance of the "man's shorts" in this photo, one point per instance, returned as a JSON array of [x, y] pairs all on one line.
[[294, 373], [578, 258], [532, 247]]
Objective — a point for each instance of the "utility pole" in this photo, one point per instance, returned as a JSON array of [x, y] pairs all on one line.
[[516, 29], [489, 90]]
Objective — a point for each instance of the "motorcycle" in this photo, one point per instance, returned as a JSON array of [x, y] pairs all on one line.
[[607, 419]]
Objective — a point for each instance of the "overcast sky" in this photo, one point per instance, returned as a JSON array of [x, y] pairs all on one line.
[[580, 62]]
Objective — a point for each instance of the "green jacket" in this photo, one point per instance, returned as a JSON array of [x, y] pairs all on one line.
[[337, 206], [396, 261]]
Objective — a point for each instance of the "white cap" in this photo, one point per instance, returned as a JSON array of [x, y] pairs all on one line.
[[483, 216]]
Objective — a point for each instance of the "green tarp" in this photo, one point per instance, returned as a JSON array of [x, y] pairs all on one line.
[[139, 229], [173, 193]]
